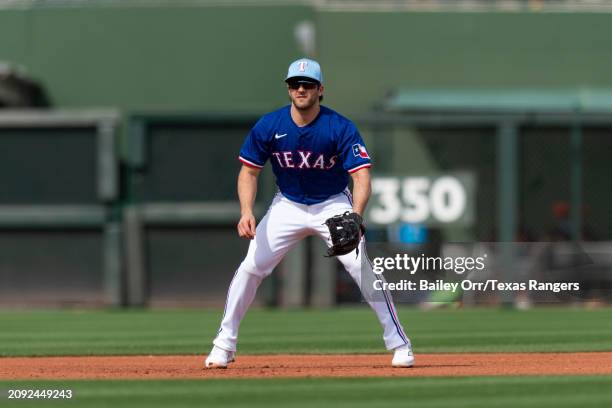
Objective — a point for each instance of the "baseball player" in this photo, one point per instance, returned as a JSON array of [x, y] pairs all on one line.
[[313, 150]]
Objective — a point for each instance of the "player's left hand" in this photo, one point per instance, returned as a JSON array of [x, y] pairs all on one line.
[[345, 232]]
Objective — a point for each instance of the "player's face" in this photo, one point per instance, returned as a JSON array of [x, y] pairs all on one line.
[[304, 96]]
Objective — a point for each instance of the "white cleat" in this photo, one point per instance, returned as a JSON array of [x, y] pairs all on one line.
[[403, 356], [219, 358]]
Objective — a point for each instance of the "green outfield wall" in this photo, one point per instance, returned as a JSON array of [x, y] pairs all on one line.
[[367, 55], [194, 56], [166, 58]]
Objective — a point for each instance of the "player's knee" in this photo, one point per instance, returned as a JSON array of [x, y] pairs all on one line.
[[254, 269], [352, 265]]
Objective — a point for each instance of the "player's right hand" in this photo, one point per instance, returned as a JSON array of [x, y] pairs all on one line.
[[246, 226]]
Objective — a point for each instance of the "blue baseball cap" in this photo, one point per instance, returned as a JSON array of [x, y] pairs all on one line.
[[305, 68]]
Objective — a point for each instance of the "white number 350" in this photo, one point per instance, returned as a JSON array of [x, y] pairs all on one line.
[[421, 199]]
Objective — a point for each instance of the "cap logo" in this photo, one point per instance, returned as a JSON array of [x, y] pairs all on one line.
[[302, 65]]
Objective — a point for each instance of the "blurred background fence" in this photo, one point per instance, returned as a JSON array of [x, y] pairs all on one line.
[[488, 123], [59, 225]]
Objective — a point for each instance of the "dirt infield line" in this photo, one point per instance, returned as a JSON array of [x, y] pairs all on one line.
[[262, 366]]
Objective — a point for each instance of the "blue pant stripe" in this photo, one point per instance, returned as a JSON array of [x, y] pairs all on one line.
[[227, 299], [389, 308], [348, 196]]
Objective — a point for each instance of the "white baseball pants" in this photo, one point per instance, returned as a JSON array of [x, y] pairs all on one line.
[[285, 224]]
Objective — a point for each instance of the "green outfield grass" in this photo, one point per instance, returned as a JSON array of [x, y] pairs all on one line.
[[512, 392], [353, 330]]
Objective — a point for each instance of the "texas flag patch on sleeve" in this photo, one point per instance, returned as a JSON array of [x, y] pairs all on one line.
[[360, 151]]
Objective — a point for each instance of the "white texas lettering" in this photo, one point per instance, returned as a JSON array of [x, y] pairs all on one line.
[[304, 156], [278, 157], [288, 156], [332, 162], [285, 160], [320, 163]]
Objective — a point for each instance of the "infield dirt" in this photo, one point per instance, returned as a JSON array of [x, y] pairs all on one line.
[[337, 365]]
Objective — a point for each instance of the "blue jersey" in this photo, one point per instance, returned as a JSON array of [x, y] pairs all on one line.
[[311, 163]]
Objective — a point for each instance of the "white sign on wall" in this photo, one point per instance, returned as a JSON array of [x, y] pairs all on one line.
[[440, 199]]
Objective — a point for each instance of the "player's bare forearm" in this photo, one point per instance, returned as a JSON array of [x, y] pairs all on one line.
[[247, 188], [247, 191], [362, 189]]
